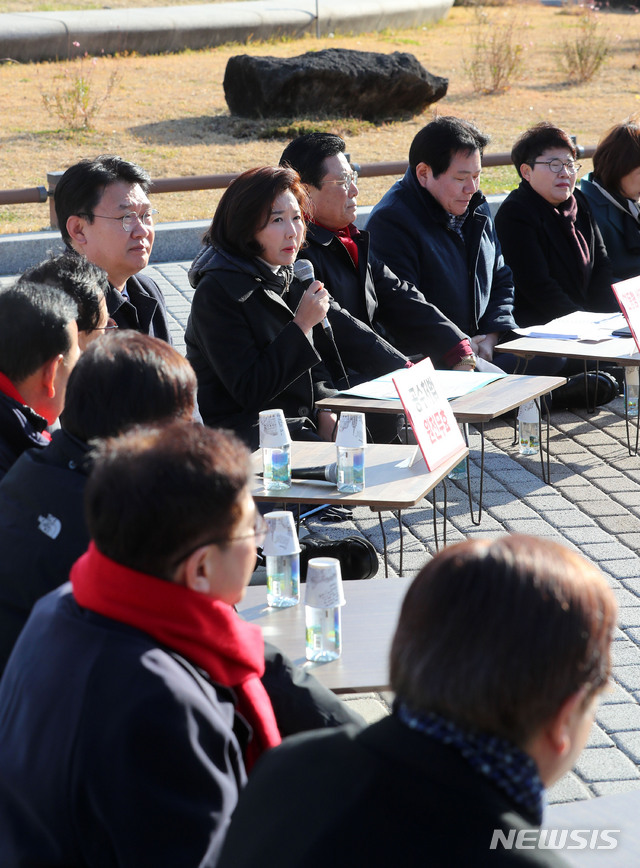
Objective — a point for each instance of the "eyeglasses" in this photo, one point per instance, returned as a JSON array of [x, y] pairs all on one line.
[[556, 165], [345, 182], [259, 533], [130, 219]]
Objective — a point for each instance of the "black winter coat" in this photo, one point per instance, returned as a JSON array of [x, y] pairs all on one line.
[[42, 529], [392, 308], [20, 429], [145, 311], [384, 796], [247, 352], [548, 280], [468, 280]]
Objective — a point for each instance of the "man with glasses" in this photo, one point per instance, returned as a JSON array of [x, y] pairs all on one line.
[[364, 286], [104, 213], [434, 229], [549, 235]]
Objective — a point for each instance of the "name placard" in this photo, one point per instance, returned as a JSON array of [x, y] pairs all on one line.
[[628, 294], [429, 414]]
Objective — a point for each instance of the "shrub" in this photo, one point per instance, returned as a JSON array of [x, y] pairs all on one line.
[[582, 56], [496, 56]]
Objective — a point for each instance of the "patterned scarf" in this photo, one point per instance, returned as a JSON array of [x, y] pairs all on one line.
[[504, 764]]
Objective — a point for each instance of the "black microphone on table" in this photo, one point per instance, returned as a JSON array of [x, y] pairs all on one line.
[[323, 472], [303, 270]]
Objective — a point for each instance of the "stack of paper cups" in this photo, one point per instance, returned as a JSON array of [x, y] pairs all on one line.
[[282, 551], [351, 440], [275, 442], [323, 598]]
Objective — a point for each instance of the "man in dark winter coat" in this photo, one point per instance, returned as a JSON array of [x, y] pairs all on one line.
[[104, 213], [356, 280], [38, 349], [434, 228]]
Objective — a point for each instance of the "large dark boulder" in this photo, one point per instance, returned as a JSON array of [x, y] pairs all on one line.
[[335, 82]]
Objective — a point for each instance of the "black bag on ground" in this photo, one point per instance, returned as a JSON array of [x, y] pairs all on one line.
[[358, 557]]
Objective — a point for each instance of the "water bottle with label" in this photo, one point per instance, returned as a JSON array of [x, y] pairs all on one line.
[[529, 428], [324, 597], [350, 469], [351, 439], [283, 580], [282, 550], [275, 442], [276, 467], [631, 390]]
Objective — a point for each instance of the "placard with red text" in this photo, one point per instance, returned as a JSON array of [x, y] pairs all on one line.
[[428, 413], [628, 295]]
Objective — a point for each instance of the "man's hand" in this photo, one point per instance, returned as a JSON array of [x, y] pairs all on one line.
[[483, 345], [327, 425]]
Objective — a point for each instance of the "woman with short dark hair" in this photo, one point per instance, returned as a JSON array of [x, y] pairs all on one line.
[[549, 237], [613, 193], [251, 346]]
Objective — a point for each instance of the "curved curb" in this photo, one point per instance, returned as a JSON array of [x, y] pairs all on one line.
[[34, 36]]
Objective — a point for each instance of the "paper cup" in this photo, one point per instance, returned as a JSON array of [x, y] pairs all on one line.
[[324, 584], [281, 538], [351, 430], [273, 429]]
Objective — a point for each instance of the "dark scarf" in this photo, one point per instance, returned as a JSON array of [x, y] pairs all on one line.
[[207, 632], [504, 764]]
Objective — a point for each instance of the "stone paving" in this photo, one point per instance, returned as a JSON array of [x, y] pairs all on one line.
[[592, 505]]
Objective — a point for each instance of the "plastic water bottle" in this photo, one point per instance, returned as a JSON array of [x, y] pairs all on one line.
[[528, 428], [631, 390], [350, 469], [283, 580], [459, 471], [323, 628], [276, 467]]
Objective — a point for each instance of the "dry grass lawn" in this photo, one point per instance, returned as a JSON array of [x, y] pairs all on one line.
[[169, 114]]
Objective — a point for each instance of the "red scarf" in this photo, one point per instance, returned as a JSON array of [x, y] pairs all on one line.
[[207, 632], [7, 388], [346, 236]]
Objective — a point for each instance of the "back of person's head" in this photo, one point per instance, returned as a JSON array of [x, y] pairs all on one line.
[[81, 187], [538, 139], [34, 324], [496, 635], [440, 140], [245, 207], [83, 281], [618, 154], [127, 378], [154, 495], [307, 154]]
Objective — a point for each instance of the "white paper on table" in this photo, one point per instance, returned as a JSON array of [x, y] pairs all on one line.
[[450, 384], [581, 325]]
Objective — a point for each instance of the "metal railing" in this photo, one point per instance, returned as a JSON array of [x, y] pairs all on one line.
[[190, 183]]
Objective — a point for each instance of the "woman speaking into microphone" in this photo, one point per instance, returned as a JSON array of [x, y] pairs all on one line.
[[253, 349]]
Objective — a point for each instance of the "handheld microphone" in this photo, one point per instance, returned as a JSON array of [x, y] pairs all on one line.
[[303, 270], [325, 473]]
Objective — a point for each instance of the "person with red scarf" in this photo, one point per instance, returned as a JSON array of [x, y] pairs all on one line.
[[132, 706]]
